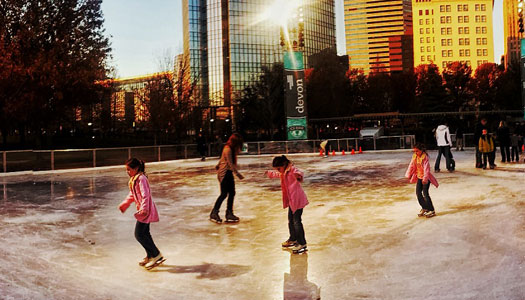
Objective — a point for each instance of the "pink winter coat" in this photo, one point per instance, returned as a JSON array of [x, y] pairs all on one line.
[[293, 194], [411, 172], [141, 195]]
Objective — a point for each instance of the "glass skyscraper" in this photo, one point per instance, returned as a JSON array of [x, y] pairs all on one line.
[[227, 43]]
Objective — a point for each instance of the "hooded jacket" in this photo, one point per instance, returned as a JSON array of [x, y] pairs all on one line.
[[443, 136], [420, 163], [141, 195], [293, 194]]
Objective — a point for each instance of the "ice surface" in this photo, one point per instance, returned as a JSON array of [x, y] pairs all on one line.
[[62, 236]]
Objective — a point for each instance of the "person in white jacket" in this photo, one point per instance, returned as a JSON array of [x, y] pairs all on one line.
[[444, 143]]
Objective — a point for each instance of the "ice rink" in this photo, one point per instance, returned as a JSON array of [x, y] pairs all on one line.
[[62, 236]]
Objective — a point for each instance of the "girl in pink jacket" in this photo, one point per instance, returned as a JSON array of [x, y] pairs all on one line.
[[146, 211], [294, 198], [419, 172]]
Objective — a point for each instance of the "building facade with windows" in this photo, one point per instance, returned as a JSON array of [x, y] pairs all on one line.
[[227, 43], [511, 30], [379, 35], [446, 31]]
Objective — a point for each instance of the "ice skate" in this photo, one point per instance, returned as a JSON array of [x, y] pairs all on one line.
[[430, 214], [288, 244], [144, 261], [298, 249], [422, 213], [214, 216], [155, 261], [230, 217]]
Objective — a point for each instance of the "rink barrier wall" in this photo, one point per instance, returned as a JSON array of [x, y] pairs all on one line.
[[50, 160]]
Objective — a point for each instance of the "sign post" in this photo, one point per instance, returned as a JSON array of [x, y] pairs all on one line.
[[295, 96], [522, 71]]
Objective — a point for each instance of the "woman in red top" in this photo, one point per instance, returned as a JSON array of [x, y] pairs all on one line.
[[419, 172]]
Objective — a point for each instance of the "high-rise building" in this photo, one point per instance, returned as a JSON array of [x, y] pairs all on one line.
[[453, 30], [227, 43], [511, 31], [379, 35]]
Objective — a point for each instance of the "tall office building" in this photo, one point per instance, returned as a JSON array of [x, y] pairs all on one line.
[[511, 31], [227, 43], [379, 35], [453, 30]]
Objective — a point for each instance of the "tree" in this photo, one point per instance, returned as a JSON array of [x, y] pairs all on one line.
[[508, 88], [55, 51], [327, 87], [456, 77], [262, 103], [430, 93], [484, 86]]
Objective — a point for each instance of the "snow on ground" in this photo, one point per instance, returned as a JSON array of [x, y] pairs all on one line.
[[63, 237]]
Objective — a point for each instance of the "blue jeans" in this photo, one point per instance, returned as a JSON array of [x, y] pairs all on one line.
[[422, 195], [445, 150], [295, 226]]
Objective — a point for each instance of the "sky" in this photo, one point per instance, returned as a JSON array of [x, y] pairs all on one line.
[[143, 32]]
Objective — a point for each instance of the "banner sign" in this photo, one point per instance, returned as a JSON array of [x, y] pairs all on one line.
[[295, 95]]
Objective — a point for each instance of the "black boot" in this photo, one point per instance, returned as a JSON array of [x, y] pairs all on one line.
[[214, 216], [230, 217]]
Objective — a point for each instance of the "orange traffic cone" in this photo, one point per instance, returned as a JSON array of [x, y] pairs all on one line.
[[333, 152], [523, 147], [360, 151], [320, 152], [343, 152], [353, 152]]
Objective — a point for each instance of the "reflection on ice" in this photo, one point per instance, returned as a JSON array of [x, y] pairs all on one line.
[[70, 241], [206, 270], [296, 284]]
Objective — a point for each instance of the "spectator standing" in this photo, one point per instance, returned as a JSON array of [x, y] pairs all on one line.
[[459, 138], [444, 143], [503, 136], [477, 134]]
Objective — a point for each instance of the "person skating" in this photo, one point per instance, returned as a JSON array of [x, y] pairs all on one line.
[[459, 138], [201, 146], [503, 136], [486, 147], [139, 192], [294, 199], [444, 144], [226, 168], [514, 151], [419, 172]]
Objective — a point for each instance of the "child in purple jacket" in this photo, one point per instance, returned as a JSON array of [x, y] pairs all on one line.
[[294, 198], [146, 211]]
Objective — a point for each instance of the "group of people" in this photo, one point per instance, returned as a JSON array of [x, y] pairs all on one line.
[[510, 143], [293, 195], [294, 198]]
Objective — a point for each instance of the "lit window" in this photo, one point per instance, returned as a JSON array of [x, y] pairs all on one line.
[[444, 53], [460, 7], [460, 18], [420, 21], [476, 7], [443, 42], [448, 8], [449, 42], [421, 30], [461, 42], [467, 41], [483, 7], [422, 58], [442, 8], [422, 49], [429, 49], [428, 39], [465, 19], [465, 7], [467, 52], [421, 40], [449, 53]]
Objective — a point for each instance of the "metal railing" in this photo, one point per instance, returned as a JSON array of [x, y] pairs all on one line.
[[45, 160]]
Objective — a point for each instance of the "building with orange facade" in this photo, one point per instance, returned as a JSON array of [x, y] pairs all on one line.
[[379, 35], [511, 10], [453, 30]]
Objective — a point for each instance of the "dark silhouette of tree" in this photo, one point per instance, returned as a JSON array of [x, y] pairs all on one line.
[[54, 52], [262, 104], [456, 77], [327, 87], [485, 86], [430, 93], [403, 89], [508, 95]]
